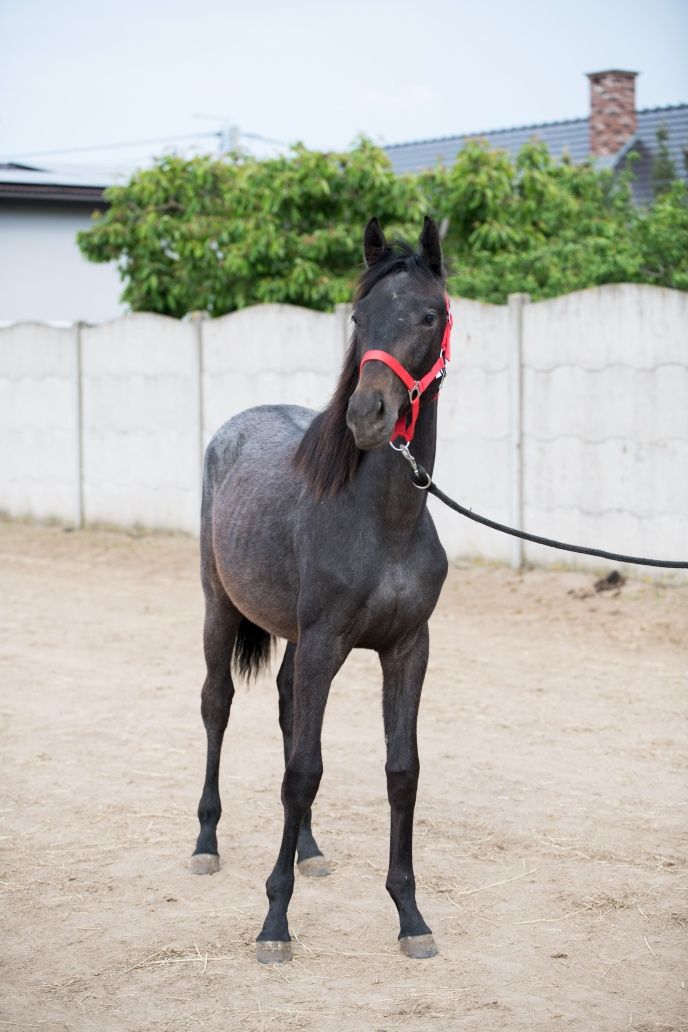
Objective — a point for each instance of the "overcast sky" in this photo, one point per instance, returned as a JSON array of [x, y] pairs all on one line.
[[84, 72]]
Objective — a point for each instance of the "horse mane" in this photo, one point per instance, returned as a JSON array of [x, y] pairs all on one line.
[[327, 455]]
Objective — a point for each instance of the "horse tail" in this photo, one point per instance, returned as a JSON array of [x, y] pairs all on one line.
[[252, 649]]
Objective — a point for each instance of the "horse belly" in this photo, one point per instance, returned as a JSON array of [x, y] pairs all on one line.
[[254, 561]]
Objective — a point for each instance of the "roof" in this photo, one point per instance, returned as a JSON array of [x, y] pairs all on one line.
[[69, 184], [571, 136]]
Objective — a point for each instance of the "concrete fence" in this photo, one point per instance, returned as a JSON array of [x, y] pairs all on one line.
[[567, 417]]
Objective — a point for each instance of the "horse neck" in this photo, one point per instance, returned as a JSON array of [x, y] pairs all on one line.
[[385, 477]]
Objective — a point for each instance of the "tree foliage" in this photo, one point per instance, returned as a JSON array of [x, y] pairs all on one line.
[[217, 235], [663, 165], [549, 227]]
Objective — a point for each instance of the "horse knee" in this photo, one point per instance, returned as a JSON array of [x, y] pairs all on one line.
[[300, 786], [402, 785]]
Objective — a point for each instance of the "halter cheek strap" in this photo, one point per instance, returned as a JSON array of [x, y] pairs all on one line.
[[405, 427]]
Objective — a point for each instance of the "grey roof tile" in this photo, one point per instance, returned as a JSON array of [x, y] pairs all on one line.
[[568, 136]]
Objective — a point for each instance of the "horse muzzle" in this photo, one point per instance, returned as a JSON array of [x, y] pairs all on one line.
[[370, 420]]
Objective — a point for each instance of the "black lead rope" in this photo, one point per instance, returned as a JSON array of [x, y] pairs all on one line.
[[422, 479]]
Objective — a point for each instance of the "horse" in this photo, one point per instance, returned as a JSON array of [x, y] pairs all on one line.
[[312, 531]]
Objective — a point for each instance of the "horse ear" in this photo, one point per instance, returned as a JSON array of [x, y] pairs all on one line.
[[374, 243], [430, 246]]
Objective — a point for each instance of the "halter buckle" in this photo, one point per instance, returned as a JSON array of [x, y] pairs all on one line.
[[404, 449]]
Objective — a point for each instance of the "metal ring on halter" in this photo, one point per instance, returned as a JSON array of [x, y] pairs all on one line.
[[422, 487], [414, 393]]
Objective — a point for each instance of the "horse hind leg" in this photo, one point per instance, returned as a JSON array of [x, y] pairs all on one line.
[[310, 860], [222, 621]]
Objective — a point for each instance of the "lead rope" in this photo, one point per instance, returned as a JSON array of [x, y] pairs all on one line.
[[424, 482]]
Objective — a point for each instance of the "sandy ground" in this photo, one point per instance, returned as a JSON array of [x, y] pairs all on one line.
[[551, 848]]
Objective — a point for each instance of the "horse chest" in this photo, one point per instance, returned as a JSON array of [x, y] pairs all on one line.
[[394, 590], [402, 598]]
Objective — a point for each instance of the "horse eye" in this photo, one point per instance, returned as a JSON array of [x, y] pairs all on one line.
[[429, 319]]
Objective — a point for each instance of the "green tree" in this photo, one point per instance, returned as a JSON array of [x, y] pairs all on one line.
[[661, 239], [549, 227], [217, 235], [663, 166]]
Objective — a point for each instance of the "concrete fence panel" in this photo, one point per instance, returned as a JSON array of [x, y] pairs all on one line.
[[39, 405], [140, 422], [269, 355], [605, 430], [567, 417], [473, 439]]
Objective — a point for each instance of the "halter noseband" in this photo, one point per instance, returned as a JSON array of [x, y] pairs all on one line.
[[404, 427]]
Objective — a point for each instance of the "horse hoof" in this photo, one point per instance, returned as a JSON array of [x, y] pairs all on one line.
[[314, 867], [418, 947], [269, 952], [204, 863]]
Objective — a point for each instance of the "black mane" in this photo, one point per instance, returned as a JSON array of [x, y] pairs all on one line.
[[327, 455]]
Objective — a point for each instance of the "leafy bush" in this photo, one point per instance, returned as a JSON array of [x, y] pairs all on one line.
[[217, 235], [545, 227]]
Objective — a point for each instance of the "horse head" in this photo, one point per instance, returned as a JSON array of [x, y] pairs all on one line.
[[401, 337]]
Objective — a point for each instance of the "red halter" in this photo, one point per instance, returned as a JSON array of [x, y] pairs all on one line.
[[403, 427]]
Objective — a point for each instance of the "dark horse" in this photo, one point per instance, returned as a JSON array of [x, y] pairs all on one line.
[[313, 531]]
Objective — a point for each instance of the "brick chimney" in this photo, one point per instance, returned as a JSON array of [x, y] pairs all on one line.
[[612, 110]]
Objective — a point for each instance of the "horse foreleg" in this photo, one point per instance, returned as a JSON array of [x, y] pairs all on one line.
[[311, 861], [403, 673], [314, 669], [219, 631]]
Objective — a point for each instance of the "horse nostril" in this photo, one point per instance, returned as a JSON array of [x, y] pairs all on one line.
[[380, 407]]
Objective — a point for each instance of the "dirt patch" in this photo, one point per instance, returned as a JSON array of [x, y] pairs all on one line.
[[551, 847]]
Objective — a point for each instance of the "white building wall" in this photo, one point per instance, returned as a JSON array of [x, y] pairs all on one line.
[[604, 396], [43, 275]]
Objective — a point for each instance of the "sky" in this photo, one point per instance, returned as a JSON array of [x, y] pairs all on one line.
[[85, 73]]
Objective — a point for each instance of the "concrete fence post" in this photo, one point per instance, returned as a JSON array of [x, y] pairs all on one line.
[[196, 320], [79, 517], [516, 303]]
